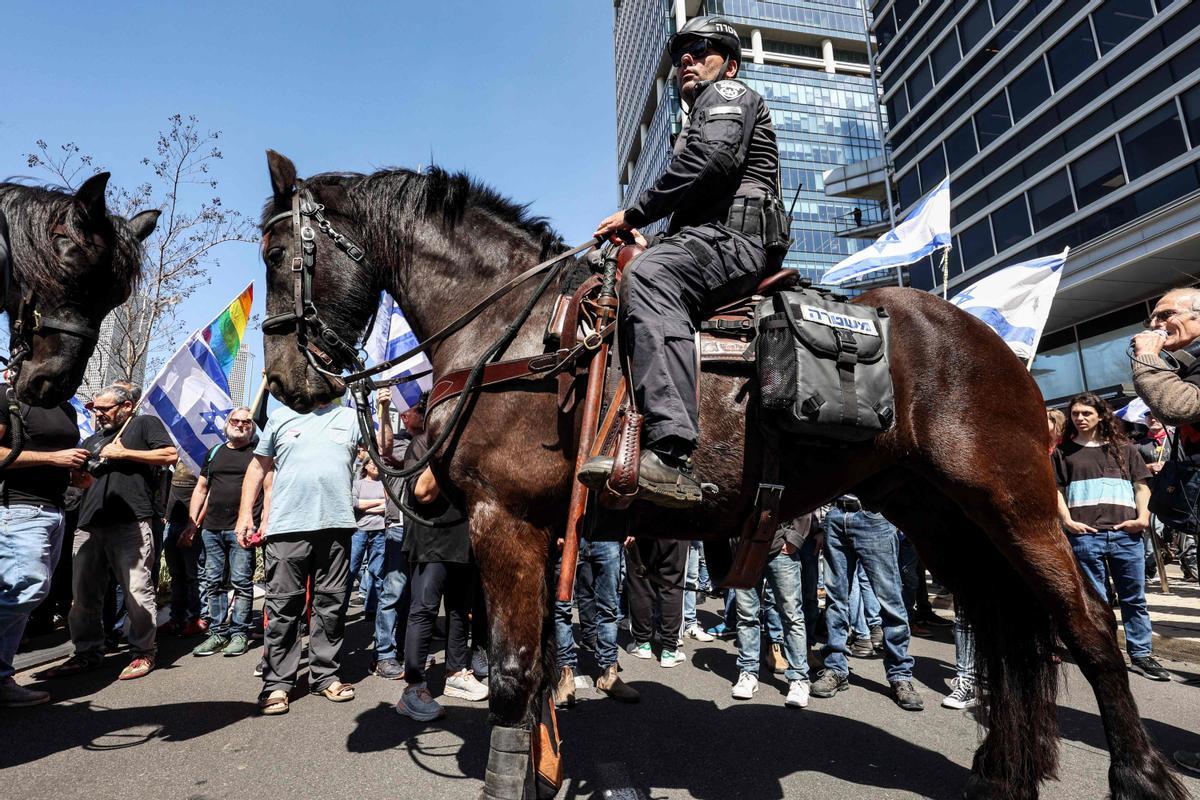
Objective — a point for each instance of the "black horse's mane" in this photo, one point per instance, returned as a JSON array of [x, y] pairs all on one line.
[[390, 200], [31, 211]]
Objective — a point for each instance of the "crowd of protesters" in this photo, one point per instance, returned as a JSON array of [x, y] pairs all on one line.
[[302, 507]]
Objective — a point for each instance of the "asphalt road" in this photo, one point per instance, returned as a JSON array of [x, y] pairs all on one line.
[[189, 731]]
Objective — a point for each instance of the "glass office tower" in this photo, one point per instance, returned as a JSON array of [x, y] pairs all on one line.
[[807, 58], [1068, 122]]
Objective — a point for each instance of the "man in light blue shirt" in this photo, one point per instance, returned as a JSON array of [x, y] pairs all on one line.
[[309, 525]]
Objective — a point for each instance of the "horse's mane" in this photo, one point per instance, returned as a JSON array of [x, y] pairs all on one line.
[[388, 201], [31, 211]]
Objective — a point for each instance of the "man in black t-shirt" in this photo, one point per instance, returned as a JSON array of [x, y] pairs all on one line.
[[31, 525], [214, 510], [115, 532]]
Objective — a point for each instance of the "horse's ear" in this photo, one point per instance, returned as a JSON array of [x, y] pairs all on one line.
[[90, 196], [283, 177], [143, 224]]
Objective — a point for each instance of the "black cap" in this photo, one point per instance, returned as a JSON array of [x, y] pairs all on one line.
[[719, 33]]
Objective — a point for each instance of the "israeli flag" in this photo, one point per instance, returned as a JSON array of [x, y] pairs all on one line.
[[191, 397], [924, 230], [390, 337], [1136, 412], [1015, 301], [83, 418]]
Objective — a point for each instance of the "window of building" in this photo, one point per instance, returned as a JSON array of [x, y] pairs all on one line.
[[920, 83], [885, 31], [933, 169], [945, 56], [1072, 55], [1098, 173], [904, 10], [975, 243], [992, 120], [1153, 140], [1104, 359], [1050, 200], [960, 145], [1089, 126], [1162, 4], [897, 106], [909, 189], [1166, 190], [1117, 19], [974, 26], [1058, 371], [1191, 112], [1029, 90], [1010, 223], [1001, 7]]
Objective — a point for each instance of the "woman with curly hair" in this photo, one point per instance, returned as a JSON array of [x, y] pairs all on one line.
[[1103, 506]]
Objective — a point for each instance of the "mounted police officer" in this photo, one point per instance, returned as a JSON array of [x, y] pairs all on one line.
[[727, 231]]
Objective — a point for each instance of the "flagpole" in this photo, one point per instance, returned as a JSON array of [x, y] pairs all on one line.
[[887, 161]]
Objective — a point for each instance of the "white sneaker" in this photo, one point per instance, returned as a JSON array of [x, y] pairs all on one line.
[[699, 634], [13, 695], [671, 658], [797, 696], [465, 685], [962, 695], [745, 687], [643, 650], [418, 703]]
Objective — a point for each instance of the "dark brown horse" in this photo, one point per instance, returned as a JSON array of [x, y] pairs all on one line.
[[978, 500], [72, 263]]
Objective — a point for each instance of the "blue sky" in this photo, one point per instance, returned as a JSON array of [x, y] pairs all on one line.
[[518, 93]]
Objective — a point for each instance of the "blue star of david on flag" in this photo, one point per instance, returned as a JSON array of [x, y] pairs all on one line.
[[211, 418]]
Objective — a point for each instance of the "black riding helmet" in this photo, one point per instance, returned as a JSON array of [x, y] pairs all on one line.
[[720, 35]]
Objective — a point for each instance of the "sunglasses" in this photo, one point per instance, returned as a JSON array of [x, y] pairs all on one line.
[[696, 48], [241, 423]]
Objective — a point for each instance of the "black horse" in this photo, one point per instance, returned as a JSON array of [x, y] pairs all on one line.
[[70, 263], [978, 501]]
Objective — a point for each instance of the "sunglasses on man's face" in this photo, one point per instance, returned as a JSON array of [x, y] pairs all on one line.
[[241, 423], [697, 49]]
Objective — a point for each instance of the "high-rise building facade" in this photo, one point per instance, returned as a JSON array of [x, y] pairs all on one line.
[[239, 375], [807, 58], [121, 339], [1060, 123]]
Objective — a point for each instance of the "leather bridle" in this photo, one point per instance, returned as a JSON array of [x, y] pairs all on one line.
[[318, 341]]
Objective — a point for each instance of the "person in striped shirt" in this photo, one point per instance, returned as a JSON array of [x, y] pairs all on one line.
[[1104, 508]]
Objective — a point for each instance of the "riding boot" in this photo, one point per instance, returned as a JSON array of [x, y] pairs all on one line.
[[671, 485]]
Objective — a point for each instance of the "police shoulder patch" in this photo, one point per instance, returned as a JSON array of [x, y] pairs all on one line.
[[730, 90]]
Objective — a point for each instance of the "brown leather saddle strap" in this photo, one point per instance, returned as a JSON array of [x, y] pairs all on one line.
[[452, 383], [754, 547]]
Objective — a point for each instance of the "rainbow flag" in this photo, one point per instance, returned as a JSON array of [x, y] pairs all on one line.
[[224, 335]]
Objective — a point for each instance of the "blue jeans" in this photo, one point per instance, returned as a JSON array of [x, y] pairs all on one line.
[[774, 622], [851, 538], [964, 647], [864, 605], [184, 565], [810, 572], [392, 609], [692, 581], [366, 564], [30, 540], [604, 561], [783, 578], [1126, 556], [221, 547]]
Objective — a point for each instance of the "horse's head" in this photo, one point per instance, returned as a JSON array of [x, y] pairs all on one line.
[[72, 264], [343, 291]]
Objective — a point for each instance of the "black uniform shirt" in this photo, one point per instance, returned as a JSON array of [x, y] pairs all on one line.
[[728, 149], [46, 430]]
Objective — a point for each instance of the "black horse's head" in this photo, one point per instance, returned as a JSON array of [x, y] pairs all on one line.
[[343, 292], [73, 262]]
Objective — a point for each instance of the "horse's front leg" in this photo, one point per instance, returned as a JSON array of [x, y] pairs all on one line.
[[512, 562]]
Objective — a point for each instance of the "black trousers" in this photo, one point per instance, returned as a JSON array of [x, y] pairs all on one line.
[[667, 559], [293, 558], [665, 291], [430, 583]]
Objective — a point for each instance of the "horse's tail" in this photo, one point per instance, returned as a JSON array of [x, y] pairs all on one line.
[[1017, 677]]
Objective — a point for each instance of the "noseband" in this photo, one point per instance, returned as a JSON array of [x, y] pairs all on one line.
[[316, 339]]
